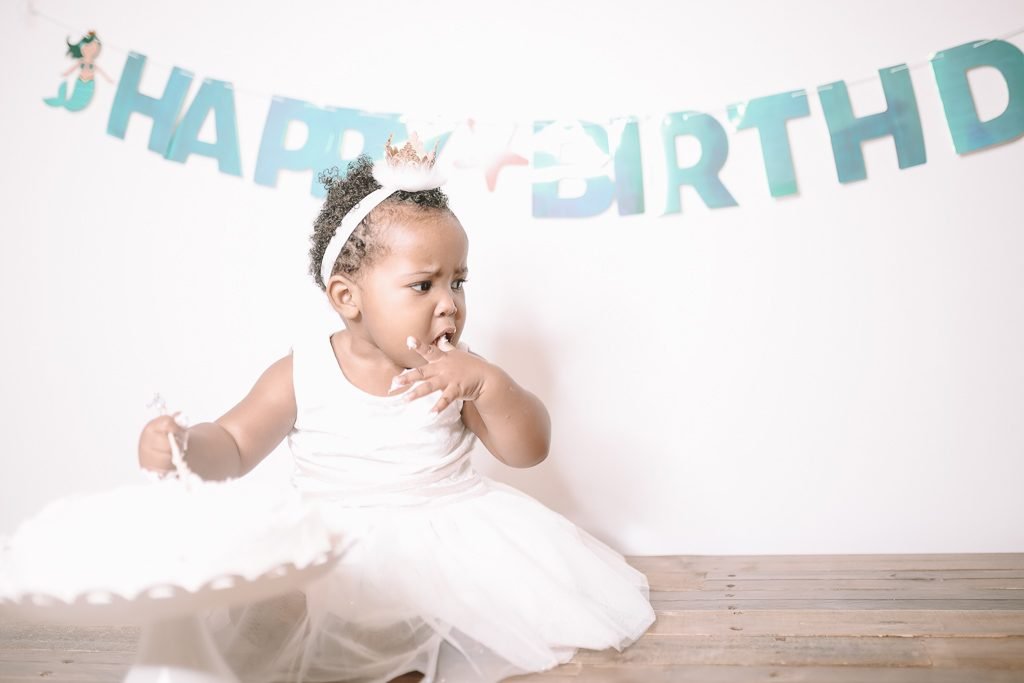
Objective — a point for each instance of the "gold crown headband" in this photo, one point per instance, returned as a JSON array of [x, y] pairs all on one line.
[[408, 168]]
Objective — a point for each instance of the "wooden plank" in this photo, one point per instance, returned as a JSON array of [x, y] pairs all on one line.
[[710, 601], [45, 636], [813, 622], [88, 667], [49, 677], [846, 573], [991, 653], [657, 650], [801, 591], [676, 582], [916, 584], [58, 667], [787, 563], [771, 674], [882, 651]]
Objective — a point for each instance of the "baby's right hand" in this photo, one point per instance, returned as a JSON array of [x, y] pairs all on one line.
[[154, 448]]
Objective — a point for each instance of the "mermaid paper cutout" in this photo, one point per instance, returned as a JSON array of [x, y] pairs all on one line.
[[85, 51]]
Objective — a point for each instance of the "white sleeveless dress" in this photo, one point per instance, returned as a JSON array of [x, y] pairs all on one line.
[[448, 572]]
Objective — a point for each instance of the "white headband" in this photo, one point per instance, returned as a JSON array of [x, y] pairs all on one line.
[[401, 169]]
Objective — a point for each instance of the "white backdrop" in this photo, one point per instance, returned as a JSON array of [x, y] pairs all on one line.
[[838, 371]]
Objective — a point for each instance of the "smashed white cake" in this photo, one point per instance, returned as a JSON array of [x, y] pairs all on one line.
[[174, 532]]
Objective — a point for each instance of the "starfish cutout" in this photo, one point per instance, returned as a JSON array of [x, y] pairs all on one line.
[[491, 164]]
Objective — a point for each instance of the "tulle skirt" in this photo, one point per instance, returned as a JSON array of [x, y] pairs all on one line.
[[473, 587]]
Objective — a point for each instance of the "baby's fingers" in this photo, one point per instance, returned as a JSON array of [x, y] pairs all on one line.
[[405, 378], [424, 373], [429, 352], [420, 390], [447, 397], [154, 444], [164, 425]]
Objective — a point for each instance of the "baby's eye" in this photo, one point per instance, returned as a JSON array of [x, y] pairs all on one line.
[[460, 282], [425, 285]]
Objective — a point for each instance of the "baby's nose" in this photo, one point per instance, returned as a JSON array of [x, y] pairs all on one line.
[[447, 305]]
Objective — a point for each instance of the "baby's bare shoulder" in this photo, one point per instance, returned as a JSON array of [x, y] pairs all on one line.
[[275, 387]]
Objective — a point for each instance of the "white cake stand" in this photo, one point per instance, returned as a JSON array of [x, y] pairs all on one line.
[[175, 646]]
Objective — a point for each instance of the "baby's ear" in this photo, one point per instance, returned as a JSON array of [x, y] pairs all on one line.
[[343, 294]]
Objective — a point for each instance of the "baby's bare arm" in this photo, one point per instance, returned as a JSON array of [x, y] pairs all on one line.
[[511, 422], [237, 441]]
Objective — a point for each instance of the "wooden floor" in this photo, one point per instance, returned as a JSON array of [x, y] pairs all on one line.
[[827, 619]]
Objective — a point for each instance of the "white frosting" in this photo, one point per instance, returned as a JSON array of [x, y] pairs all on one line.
[[173, 532]]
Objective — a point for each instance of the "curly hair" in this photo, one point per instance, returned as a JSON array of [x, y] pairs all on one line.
[[366, 244]]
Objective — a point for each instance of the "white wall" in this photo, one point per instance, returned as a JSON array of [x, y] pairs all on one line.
[[838, 371]]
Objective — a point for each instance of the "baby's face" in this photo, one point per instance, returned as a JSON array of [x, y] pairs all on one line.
[[416, 288]]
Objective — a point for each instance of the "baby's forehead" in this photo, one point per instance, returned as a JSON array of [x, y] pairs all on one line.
[[425, 255], [418, 231], [407, 268], [425, 244]]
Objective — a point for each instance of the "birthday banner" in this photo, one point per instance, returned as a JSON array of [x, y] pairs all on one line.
[[605, 158]]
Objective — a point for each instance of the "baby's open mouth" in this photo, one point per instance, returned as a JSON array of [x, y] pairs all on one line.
[[447, 335]]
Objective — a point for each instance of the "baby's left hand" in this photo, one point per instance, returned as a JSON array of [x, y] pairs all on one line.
[[459, 375]]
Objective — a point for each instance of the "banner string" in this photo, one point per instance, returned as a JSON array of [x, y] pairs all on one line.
[[437, 118]]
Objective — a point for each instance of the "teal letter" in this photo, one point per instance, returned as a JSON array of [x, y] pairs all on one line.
[[900, 119], [600, 191], [163, 111], [323, 144], [213, 96], [769, 115], [627, 188], [629, 174], [951, 67], [703, 175]]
